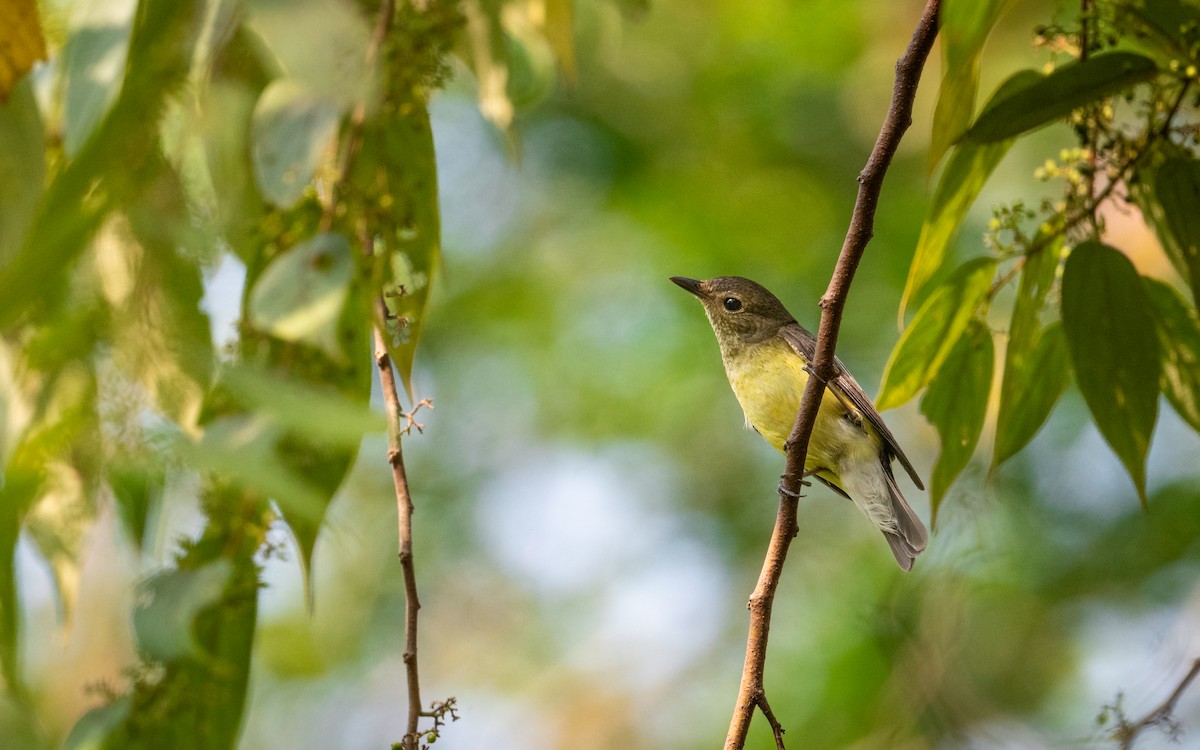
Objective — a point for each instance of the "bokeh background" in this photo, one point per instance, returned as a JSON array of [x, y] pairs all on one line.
[[591, 513]]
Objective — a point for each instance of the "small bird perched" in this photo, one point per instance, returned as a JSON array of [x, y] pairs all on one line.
[[766, 355]]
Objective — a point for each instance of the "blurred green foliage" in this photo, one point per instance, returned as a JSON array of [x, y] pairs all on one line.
[[200, 203]]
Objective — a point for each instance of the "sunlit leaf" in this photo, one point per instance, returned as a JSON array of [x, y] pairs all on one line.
[[92, 63], [335, 68], [933, 332], [1014, 421], [58, 523], [963, 27], [168, 603], [1029, 392], [313, 411], [1056, 95], [956, 404], [488, 60], [1114, 351], [560, 31], [292, 130], [23, 168], [301, 294], [21, 42], [104, 170], [967, 171], [1177, 186], [1179, 339]]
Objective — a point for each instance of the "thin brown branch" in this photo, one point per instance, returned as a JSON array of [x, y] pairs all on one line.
[[751, 693], [396, 416], [1127, 732]]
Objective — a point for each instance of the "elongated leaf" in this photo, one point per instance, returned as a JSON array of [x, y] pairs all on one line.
[[1058, 94], [301, 294], [1179, 337], [1177, 185], [1023, 338], [23, 168], [317, 413], [963, 27], [965, 175], [935, 329], [104, 170], [1030, 392], [956, 404], [246, 452], [1114, 351], [399, 154], [164, 619], [1174, 25], [560, 32], [95, 729]]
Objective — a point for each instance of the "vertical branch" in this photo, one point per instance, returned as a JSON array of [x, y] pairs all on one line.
[[751, 694], [404, 508]]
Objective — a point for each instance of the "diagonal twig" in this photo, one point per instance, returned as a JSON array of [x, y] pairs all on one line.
[[751, 694], [404, 507]]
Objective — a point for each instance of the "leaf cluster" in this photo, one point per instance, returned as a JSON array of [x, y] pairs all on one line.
[[1127, 91]]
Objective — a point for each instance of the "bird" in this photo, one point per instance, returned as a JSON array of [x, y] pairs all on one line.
[[766, 354]]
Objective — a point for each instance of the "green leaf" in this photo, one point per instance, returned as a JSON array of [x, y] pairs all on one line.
[[107, 166], [309, 410], [933, 332], [1114, 351], [301, 294], [91, 65], [1177, 185], [1179, 337], [1029, 392], [168, 604], [963, 28], [246, 451], [1056, 95], [1173, 25], [956, 404], [1023, 338], [965, 175], [23, 168], [488, 59], [560, 32], [292, 128], [96, 728], [399, 154], [136, 489]]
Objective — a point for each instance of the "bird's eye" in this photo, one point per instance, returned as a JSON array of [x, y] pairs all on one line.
[[733, 304]]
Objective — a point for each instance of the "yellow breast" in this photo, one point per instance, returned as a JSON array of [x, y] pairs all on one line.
[[768, 381]]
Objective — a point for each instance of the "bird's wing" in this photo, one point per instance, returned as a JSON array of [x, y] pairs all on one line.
[[805, 345]]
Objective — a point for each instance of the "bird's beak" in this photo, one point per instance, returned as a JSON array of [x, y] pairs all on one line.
[[692, 285]]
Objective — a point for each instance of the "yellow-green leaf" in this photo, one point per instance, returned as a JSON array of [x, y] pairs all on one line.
[[1179, 337], [1177, 185], [1056, 95], [967, 171], [1029, 392], [933, 332], [1114, 351], [956, 404], [21, 42]]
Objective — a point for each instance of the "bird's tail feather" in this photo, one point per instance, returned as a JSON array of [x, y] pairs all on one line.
[[910, 537]]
